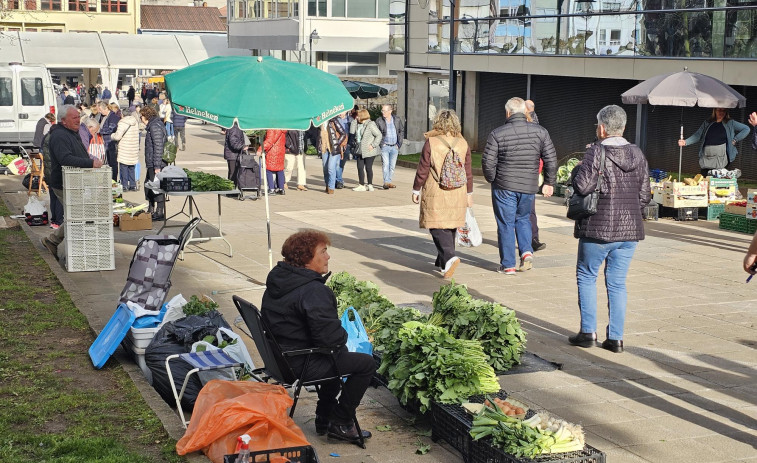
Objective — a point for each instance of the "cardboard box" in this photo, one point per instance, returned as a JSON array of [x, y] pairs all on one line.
[[751, 211], [670, 200], [657, 195], [733, 209], [751, 196], [138, 222], [681, 189]]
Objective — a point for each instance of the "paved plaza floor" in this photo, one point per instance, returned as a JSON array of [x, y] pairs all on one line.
[[685, 390]]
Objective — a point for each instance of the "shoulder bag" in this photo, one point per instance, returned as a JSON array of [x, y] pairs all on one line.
[[583, 206]]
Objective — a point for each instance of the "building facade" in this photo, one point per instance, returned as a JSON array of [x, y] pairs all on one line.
[[572, 58], [349, 37], [109, 16]]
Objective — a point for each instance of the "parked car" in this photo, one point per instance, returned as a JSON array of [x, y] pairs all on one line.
[[26, 95]]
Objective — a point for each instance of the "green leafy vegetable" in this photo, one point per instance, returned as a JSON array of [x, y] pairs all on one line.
[[362, 295], [563, 172], [421, 448], [384, 428], [6, 159], [495, 326], [432, 365], [197, 306], [202, 181]]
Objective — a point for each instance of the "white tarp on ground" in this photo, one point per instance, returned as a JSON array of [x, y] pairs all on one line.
[[82, 50]]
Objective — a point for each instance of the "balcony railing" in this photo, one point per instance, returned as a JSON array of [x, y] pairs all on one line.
[[726, 32]]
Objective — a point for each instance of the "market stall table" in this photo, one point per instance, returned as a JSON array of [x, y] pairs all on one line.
[[194, 211]]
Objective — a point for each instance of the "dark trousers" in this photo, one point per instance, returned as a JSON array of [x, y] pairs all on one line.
[[444, 239], [534, 223], [367, 165], [360, 367], [56, 208], [112, 156], [232, 171], [278, 182], [152, 197]]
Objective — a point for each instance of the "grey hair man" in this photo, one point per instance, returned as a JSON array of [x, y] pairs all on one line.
[[66, 149], [511, 164], [609, 236], [393, 132]]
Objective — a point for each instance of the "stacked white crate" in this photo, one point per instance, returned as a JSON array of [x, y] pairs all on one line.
[[88, 211]]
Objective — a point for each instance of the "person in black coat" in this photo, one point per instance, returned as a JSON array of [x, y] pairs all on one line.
[[155, 140], [610, 236], [130, 95], [233, 145], [301, 312]]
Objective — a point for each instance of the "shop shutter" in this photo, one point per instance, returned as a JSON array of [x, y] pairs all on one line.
[[494, 91]]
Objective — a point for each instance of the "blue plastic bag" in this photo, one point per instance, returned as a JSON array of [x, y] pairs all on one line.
[[357, 337]]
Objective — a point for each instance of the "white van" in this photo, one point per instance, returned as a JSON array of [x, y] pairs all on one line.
[[26, 95]]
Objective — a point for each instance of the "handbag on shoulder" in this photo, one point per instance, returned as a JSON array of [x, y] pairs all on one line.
[[583, 206]]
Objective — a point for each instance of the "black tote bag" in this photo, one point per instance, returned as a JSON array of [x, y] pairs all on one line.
[[583, 206]]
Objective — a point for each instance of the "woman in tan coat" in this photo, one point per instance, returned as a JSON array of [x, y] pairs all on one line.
[[443, 210]]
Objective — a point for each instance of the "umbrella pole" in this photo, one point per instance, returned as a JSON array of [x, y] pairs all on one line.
[[267, 208], [680, 148]]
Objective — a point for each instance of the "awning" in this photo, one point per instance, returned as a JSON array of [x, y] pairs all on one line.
[[142, 51], [10, 48], [57, 50], [201, 47]]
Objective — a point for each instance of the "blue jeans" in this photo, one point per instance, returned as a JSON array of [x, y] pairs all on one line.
[[330, 165], [128, 176], [389, 161], [169, 129], [340, 166], [617, 257], [512, 211]]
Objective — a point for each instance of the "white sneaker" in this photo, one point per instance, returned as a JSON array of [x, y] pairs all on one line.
[[360, 188], [449, 269], [369, 187]]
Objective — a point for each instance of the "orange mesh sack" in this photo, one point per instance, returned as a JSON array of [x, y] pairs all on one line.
[[224, 410]]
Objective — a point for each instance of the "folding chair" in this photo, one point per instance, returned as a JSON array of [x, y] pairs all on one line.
[[215, 359], [276, 362]]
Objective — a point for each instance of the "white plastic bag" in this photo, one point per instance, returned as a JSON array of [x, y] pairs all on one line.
[[175, 309], [34, 207], [469, 234], [237, 351]]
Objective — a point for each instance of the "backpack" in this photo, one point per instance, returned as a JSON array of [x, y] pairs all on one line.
[[452, 174]]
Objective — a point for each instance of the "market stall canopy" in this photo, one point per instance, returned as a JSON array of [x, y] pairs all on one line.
[[81, 50], [10, 48], [201, 47], [684, 89], [364, 90], [143, 51], [258, 92]]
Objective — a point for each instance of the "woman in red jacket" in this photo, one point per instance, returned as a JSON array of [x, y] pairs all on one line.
[[274, 160]]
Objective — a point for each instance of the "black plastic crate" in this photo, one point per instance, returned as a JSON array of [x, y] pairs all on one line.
[[451, 423], [687, 213], [176, 184], [304, 454], [482, 452]]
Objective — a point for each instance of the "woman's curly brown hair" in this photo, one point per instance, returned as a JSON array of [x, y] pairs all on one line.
[[148, 112], [299, 248]]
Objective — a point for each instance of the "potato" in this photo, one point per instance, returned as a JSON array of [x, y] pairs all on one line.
[[519, 411]]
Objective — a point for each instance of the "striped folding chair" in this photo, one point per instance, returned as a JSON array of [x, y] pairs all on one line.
[[215, 359]]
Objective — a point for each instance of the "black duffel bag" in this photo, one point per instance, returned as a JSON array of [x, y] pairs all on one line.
[[25, 182], [583, 206]]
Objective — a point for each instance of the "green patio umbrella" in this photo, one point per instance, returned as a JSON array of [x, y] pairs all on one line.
[[259, 92], [364, 90]]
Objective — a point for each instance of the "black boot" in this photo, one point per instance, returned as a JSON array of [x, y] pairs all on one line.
[[583, 339], [160, 211], [537, 245]]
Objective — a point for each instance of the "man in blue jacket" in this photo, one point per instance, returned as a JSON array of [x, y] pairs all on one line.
[[66, 149]]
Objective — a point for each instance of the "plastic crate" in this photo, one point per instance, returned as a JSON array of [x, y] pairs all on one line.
[[737, 223], [483, 452], [687, 213], [89, 246], [305, 454], [138, 354], [651, 212], [176, 184], [86, 212], [451, 423], [75, 177], [713, 211], [722, 182]]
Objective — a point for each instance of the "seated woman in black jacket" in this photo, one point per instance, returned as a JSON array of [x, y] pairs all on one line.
[[300, 310]]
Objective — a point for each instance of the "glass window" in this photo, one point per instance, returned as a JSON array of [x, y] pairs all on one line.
[[364, 64], [30, 5], [82, 5], [361, 9], [51, 5], [112, 6], [31, 92], [6, 91], [317, 8], [338, 8], [396, 11], [438, 98], [383, 9], [12, 4]]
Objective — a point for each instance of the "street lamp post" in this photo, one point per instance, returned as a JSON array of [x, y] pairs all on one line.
[[314, 37], [452, 76]]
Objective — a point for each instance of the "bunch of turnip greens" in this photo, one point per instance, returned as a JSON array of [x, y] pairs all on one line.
[[432, 365], [362, 295], [493, 325]]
